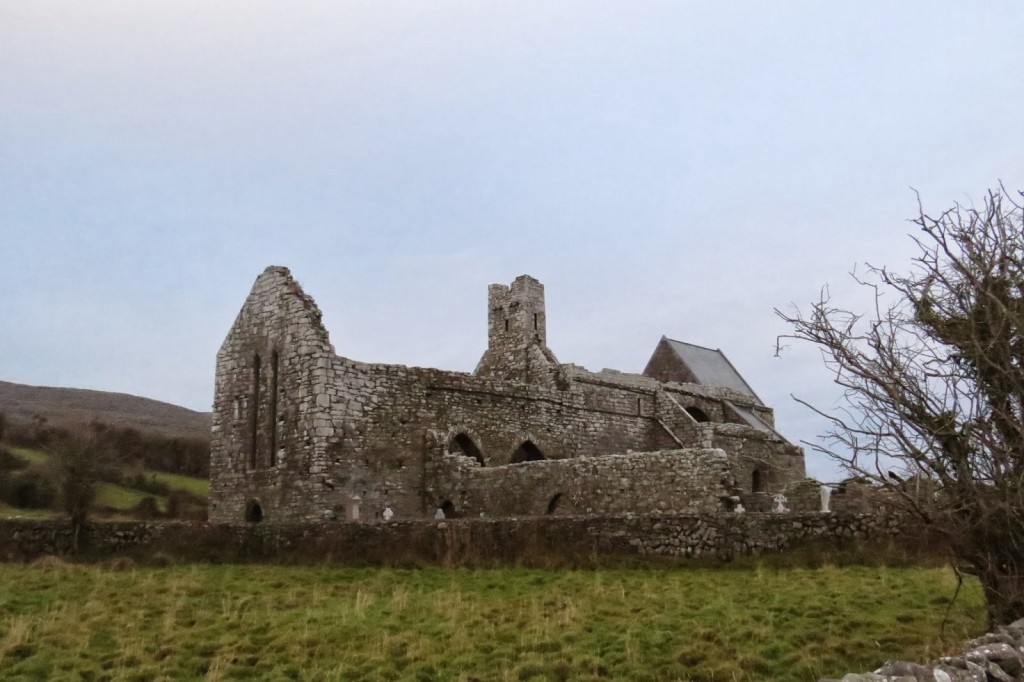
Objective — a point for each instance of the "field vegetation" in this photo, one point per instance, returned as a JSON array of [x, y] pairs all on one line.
[[224, 622], [138, 476]]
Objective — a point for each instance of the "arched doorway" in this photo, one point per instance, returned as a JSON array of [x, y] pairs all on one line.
[[449, 509], [254, 512], [527, 452], [553, 503]]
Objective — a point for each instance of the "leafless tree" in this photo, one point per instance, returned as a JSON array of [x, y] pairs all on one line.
[[79, 461], [933, 381]]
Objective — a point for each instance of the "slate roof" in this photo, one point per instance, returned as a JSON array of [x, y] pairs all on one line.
[[711, 367], [751, 419]]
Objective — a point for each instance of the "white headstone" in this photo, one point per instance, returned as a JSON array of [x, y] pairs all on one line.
[[439, 514], [780, 503], [388, 514]]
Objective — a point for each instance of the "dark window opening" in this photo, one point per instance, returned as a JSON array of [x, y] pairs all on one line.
[[464, 445], [506, 324], [638, 406], [698, 414], [254, 512], [254, 417], [535, 322], [527, 452], [553, 503], [757, 482], [273, 408], [449, 509]]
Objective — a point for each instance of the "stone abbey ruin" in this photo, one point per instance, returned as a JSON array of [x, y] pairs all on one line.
[[302, 434]]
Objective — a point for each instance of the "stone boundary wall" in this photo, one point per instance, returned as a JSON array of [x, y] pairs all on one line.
[[460, 541]]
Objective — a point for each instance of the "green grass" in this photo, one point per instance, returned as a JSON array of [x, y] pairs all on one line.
[[120, 498], [196, 486], [235, 622], [9, 512], [30, 455]]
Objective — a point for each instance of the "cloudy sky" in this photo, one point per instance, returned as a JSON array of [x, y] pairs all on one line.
[[677, 168]]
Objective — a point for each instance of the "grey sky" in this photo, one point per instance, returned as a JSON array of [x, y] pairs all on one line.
[[673, 168]]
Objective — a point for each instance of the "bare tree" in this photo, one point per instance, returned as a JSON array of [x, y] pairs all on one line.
[[80, 458], [933, 383]]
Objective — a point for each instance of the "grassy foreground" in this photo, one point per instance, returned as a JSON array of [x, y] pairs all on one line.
[[71, 622]]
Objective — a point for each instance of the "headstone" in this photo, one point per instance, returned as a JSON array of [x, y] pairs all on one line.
[[439, 514], [352, 511], [780, 504], [826, 496], [388, 514]]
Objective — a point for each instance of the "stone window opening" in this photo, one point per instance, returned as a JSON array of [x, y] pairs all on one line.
[[254, 418], [757, 481], [506, 324], [698, 414], [553, 503], [449, 509], [254, 512], [535, 327], [272, 417], [527, 452], [462, 444]]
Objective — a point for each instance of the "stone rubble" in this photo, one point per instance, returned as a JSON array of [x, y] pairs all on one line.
[[994, 657]]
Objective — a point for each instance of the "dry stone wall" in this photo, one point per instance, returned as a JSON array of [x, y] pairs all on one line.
[[573, 539]]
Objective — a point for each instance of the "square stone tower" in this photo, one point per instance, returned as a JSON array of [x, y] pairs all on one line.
[[517, 334]]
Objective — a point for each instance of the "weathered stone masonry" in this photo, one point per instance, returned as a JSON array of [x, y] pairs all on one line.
[[302, 434]]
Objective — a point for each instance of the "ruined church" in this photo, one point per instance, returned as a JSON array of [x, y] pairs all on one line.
[[303, 434]]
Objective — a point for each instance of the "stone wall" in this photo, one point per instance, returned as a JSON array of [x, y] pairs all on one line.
[[460, 541], [675, 482], [997, 656]]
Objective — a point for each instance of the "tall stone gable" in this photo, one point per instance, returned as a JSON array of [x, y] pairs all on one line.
[[271, 412]]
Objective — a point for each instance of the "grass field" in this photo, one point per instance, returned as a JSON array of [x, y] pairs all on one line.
[[234, 622]]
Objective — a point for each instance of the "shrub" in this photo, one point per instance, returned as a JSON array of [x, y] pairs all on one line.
[[28, 489]]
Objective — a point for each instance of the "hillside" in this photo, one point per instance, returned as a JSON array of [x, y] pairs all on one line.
[[66, 406]]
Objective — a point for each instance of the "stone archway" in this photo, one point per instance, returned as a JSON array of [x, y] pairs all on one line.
[[462, 444], [254, 512], [527, 452], [698, 414]]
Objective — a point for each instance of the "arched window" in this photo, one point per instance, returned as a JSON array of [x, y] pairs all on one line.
[[527, 452], [553, 503], [697, 414], [273, 408], [254, 416], [464, 445], [449, 509], [254, 512], [757, 481]]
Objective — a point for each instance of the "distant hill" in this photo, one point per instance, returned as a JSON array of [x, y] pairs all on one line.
[[69, 406]]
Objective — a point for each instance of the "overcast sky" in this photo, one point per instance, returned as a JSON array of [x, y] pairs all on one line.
[[676, 168]]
